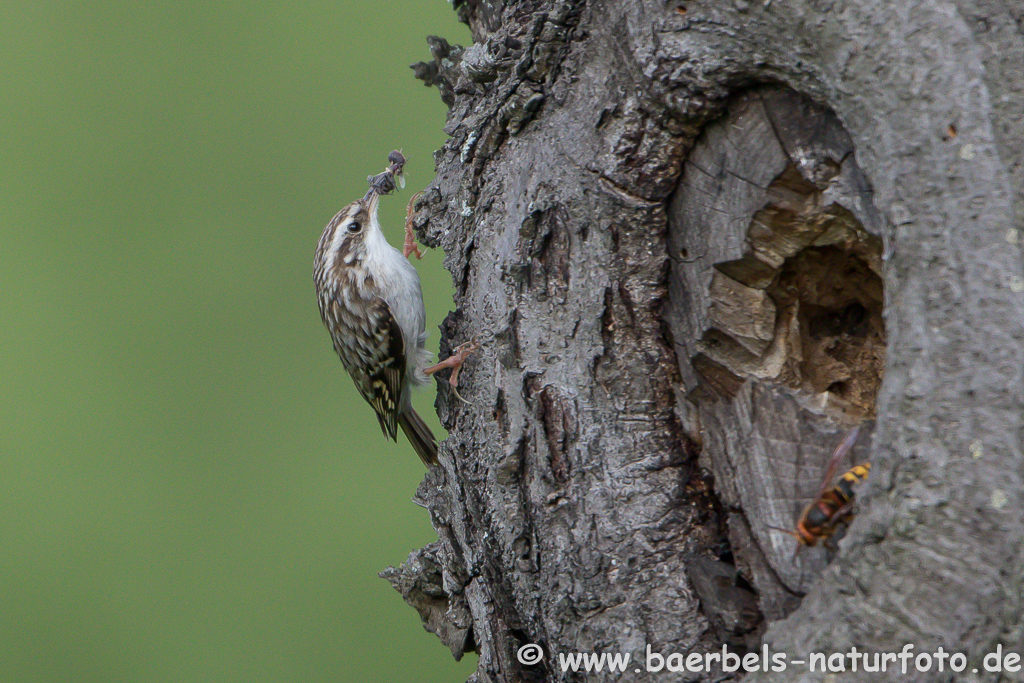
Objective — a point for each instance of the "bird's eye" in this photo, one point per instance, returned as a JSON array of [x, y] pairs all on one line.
[[354, 227]]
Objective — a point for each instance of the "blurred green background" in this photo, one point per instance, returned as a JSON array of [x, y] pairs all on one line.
[[191, 488]]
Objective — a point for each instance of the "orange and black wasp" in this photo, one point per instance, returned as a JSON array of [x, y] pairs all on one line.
[[832, 506]]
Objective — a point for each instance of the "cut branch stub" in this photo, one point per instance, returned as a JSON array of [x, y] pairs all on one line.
[[776, 303]]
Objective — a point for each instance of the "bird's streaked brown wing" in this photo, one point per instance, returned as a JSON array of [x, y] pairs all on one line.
[[384, 389], [368, 340]]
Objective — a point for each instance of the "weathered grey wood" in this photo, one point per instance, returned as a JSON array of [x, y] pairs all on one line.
[[772, 180], [571, 505]]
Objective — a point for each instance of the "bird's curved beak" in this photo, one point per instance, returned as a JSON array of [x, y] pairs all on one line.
[[372, 201]]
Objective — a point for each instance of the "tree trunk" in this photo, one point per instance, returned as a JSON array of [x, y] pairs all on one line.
[[701, 241]]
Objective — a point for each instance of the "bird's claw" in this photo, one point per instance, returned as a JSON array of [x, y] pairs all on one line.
[[455, 361], [410, 237]]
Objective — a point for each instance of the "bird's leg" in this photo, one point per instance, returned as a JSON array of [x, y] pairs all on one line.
[[455, 361], [410, 238]]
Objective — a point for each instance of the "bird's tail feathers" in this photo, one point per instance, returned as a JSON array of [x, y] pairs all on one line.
[[419, 435]]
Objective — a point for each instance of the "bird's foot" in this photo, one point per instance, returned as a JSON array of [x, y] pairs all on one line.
[[455, 361], [410, 237]]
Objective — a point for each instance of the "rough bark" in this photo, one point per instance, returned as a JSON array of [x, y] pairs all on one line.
[[701, 241]]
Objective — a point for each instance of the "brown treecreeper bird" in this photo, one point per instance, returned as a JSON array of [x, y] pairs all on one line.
[[372, 305]]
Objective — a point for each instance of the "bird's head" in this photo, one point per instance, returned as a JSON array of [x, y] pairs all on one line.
[[354, 231], [345, 239]]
